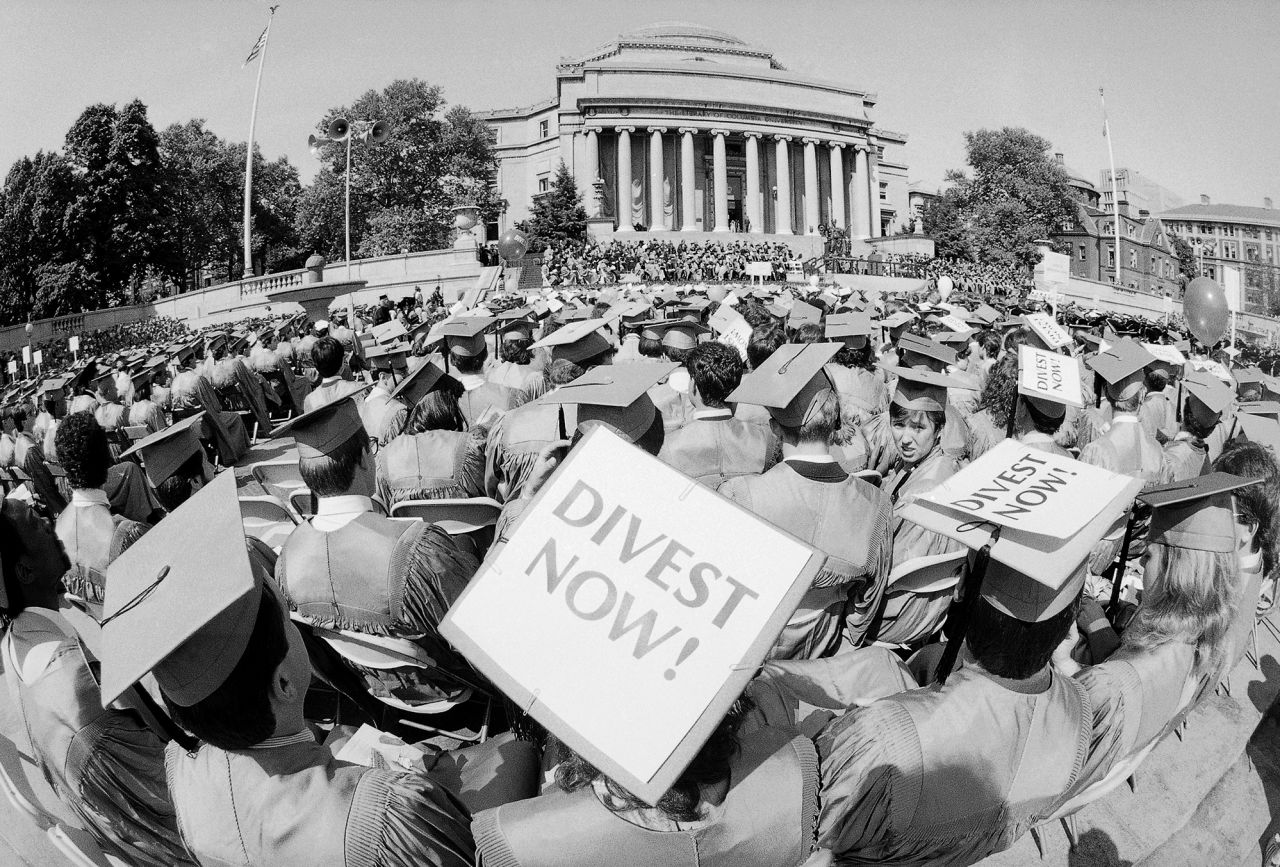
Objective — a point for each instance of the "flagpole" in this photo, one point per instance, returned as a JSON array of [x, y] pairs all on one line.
[[248, 157], [1115, 192]]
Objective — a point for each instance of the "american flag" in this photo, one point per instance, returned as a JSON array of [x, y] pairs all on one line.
[[257, 47]]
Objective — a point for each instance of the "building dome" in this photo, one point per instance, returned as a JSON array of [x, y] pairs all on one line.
[[681, 31]]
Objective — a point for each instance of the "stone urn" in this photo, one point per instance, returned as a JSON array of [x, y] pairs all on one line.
[[465, 218], [315, 269]]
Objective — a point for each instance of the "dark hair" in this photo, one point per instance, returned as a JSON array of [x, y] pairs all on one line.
[[1156, 380], [437, 410], [716, 370], [331, 475], [1198, 428], [1255, 503], [326, 355], [765, 340], [561, 370], [516, 350], [710, 766], [18, 415], [901, 415], [989, 340], [83, 450], [237, 714], [468, 363], [810, 332], [177, 489], [650, 347], [861, 356], [1001, 386], [1008, 647], [12, 548], [676, 355]]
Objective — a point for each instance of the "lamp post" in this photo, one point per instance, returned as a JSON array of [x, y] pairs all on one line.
[[30, 328]]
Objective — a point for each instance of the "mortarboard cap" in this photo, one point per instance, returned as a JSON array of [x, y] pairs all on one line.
[[852, 328], [956, 338], [1195, 514], [926, 347], [677, 333], [1259, 429], [322, 430], [789, 381], [394, 356], [164, 451], [390, 332], [418, 383], [1260, 407], [897, 320], [518, 328], [920, 389], [465, 334], [182, 601], [803, 313], [1048, 332], [576, 341], [985, 315], [1119, 364], [1212, 393], [616, 395]]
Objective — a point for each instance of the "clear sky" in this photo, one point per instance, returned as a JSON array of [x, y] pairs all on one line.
[[1192, 88]]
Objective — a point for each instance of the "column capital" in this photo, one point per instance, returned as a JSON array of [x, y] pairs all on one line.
[[811, 141], [836, 145], [658, 129], [724, 132], [783, 137], [688, 130], [861, 148], [627, 129], [752, 134], [589, 130]]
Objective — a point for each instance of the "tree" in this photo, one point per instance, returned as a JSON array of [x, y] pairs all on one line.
[[1017, 195], [1187, 265], [557, 215], [34, 246], [433, 161]]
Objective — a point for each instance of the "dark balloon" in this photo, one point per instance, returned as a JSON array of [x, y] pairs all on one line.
[[1204, 305], [513, 245]]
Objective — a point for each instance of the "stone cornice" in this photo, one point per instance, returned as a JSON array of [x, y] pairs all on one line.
[[670, 110], [613, 49]]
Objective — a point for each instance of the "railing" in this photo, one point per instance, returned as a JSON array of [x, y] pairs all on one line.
[[869, 265]]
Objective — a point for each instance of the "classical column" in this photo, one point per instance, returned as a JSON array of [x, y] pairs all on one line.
[[689, 220], [593, 171], [755, 206], [782, 211], [812, 212], [837, 184], [624, 178], [720, 178], [861, 202], [657, 221], [873, 189]]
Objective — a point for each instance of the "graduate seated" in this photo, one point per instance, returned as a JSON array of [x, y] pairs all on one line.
[[1186, 454], [747, 799], [233, 670], [810, 496], [106, 764], [714, 445], [351, 569], [383, 415], [329, 359], [482, 402]]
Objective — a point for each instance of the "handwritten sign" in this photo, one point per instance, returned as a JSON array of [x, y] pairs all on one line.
[[73, 344], [1049, 375], [628, 609], [1053, 335], [951, 322], [1015, 486], [1166, 353]]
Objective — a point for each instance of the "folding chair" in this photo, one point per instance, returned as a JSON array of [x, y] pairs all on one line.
[[303, 502], [455, 517], [268, 519], [135, 432], [921, 576], [278, 478]]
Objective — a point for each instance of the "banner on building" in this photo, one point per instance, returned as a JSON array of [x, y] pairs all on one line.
[[629, 608]]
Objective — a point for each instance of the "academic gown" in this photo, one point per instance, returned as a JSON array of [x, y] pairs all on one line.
[[862, 394], [93, 537], [1043, 442], [845, 518], [432, 465], [6, 450], [287, 801], [1126, 448], [484, 404], [1158, 416], [714, 446], [107, 766], [910, 618], [514, 442], [984, 433], [1185, 458], [946, 775], [514, 377], [145, 412], [193, 393], [383, 416], [29, 457]]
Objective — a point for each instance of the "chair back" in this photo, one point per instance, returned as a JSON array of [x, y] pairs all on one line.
[[871, 477], [135, 432], [278, 478], [268, 519], [455, 517], [928, 574]]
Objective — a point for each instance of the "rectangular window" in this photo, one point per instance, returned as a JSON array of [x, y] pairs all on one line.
[[1133, 258], [884, 191], [1079, 248], [1153, 264], [1133, 230], [544, 127], [1268, 234], [544, 184], [1111, 256]]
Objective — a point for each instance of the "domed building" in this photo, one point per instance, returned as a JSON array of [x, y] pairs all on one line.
[[679, 128]]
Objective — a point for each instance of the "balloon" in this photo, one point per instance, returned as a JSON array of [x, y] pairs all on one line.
[[513, 244], [1204, 305], [945, 285], [813, 280]]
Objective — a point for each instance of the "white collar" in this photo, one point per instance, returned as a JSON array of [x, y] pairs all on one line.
[[1034, 436], [90, 497], [709, 413], [302, 737], [1250, 561], [331, 380], [343, 504], [1124, 418], [812, 459]]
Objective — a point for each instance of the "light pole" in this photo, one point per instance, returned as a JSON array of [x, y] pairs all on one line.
[[30, 328]]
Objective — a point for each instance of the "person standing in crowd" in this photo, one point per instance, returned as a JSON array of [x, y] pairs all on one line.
[[482, 402], [1158, 414], [106, 764], [809, 495], [233, 670], [713, 445], [1125, 447], [1185, 454]]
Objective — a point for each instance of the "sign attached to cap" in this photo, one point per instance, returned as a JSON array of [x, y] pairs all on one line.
[[629, 609], [1049, 375], [1166, 353], [1053, 335], [726, 319], [1027, 489]]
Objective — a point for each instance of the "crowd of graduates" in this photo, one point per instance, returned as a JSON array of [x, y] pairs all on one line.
[[193, 677]]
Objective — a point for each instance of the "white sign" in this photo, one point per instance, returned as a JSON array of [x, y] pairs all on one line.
[[39, 357], [725, 319], [1029, 490], [13, 368], [1053, 272], [1049, 375], [1166, 353], [1231, 287], [26, 355], [73, 344], [1053, 334], [628, 609], [954, 323], [730, 300], [738, 337]]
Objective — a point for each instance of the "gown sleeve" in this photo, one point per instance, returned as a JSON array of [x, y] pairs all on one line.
[[405, 820], [471, 473]]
